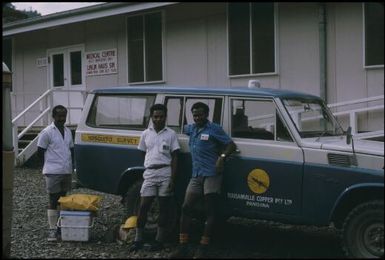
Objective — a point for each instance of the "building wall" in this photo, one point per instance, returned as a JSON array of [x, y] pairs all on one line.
[[29, 81], [348, 79], [107, 33], [195, 52], [298, 57]]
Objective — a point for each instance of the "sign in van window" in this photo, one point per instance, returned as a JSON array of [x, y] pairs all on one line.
[[101, 62]]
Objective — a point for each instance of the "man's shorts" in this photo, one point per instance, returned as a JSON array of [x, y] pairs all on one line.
[[153, 187], [56, 183], [205, 184]]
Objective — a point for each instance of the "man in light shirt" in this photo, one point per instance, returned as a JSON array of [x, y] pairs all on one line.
[[160, 145], [55, 149]]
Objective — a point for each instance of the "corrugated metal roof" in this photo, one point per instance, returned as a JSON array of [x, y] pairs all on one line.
[[78, 15]]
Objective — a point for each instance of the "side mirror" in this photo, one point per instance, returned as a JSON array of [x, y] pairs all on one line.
[[349, 135]]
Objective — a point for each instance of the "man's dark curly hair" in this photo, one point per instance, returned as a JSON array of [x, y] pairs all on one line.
[[56, 108], [158, 107], [201, 105]]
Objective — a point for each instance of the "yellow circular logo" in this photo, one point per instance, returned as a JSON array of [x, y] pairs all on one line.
[[258, 181]]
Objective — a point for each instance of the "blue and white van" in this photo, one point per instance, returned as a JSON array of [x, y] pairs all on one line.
[[294, 163]]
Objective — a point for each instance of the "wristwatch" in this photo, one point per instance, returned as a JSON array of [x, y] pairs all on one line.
[[223, 155]]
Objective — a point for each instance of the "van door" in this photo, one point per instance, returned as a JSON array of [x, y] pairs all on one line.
[[266, 176]]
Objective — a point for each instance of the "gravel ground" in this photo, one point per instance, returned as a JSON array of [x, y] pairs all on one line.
[[240, 239]]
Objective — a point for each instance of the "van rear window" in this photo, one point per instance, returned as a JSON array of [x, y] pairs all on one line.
[[121, 111]]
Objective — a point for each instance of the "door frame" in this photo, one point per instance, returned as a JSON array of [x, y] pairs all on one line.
[[66, 50]]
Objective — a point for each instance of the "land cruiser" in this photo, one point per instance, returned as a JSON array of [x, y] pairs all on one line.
[[294, 163]]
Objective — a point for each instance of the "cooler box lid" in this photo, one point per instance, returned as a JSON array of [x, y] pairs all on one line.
[[74, 213]]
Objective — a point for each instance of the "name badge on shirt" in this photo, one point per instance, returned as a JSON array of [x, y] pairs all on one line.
[[164, 147], [204, 137]]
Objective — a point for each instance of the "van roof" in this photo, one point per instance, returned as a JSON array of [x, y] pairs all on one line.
[[264, 92]]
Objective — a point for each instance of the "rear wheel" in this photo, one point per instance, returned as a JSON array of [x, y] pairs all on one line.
[[363, 231]]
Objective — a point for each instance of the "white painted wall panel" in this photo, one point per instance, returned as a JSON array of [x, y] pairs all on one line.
[[29, 80], [299, 47], [103, 34], [187, 53], [350, 74], [217, 51]]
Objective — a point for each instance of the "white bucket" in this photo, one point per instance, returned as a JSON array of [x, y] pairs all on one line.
[[75, 225]]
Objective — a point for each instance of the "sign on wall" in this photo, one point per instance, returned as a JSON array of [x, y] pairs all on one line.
[[41, 62], [101, 62]]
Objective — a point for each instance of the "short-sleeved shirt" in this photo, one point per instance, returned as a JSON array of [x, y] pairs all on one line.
[[57, 157], [205, 146], [158, 148]]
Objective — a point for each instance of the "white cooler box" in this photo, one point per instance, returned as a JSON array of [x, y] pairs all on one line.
[[75, 225]]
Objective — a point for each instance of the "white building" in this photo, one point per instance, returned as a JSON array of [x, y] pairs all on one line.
[[334, 50]]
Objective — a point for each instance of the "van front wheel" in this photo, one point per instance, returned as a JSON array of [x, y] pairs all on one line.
[[363, 231], [132, 199]]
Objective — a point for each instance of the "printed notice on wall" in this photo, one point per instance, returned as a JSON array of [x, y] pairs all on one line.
[[42, 62], [101, 62]]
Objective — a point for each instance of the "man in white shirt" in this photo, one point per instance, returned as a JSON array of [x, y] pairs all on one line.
[[160, 146], [55, 149]]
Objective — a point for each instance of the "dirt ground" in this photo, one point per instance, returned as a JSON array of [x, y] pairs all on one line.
[[239, 238], [261, 239]]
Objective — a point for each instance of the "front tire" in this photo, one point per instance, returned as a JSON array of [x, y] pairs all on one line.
[[363, 231]]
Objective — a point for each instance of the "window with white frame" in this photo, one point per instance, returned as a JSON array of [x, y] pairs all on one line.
[[251, 36], [144, 46], [374, 33]]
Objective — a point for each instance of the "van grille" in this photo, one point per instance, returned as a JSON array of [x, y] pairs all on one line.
[[342, 159]]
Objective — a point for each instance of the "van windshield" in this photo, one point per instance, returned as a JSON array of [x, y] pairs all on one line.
[[312, 118]]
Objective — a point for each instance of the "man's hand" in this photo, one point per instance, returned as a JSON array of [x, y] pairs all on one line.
[[171, 186], [219, 166]]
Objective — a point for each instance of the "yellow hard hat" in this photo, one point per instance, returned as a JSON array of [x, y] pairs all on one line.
[[130, 222]]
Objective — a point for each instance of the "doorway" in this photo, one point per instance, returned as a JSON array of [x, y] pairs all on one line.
[[67, 77]]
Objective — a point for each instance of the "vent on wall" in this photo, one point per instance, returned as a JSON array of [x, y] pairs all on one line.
[[342, 159]]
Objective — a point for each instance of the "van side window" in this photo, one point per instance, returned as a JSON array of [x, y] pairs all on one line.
[[130, 112], [174, 113], [282, 132], [253, 119], [215, 109]]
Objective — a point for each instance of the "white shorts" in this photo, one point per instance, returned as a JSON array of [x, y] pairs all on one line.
[[152, 187]]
